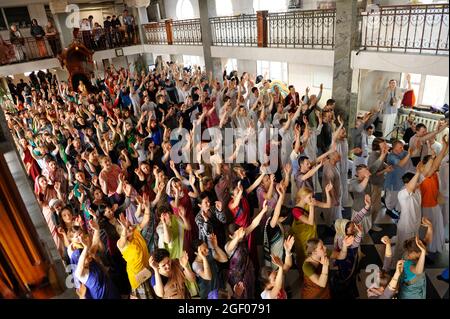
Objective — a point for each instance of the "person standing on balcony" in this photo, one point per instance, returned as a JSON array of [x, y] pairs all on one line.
[[128, 21], [51, 34], [18, 41], [38, 33], [85, 28], [115, 24], [391, 99], [107, 26]]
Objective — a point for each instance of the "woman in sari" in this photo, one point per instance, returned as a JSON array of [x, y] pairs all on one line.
[[44, 193], [315, 268], [32, 167], [241, 266], [274, 232], [413, 282], [180, 197], [304, 227]]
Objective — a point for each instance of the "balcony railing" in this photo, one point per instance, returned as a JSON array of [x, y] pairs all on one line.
[[235, 31], [302, 29], [155, 33], [187, 32], [103, 39], [410, 28], [29, 49]]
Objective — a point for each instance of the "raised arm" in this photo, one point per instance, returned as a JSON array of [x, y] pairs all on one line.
[[256, 220], [276, 213]]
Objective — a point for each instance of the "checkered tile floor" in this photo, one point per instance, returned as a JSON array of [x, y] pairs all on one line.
[[373, 251]]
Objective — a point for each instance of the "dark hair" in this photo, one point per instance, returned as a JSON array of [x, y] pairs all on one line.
[[163, 209], [197, 243], [410, 246], [226, 98], [203, 195], [360, 167], [91, 17], [426, 158], [254, 89], [301, 159], [330, 101], [160, 254], [407, 177], [290, 87], [376, 143], [419, 126], [370, 127]]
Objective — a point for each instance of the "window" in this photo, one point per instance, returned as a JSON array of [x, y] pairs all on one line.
[[270, 5], [231, 65], [18, 15], [275, 70], [191, 60], [224, 8], [434, 90], [429, 89], [185, 10]]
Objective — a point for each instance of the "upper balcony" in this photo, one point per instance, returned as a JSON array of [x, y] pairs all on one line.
[[421, 29]]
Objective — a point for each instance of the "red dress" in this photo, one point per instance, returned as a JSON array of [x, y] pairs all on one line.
[[192, 234], [34, 170]]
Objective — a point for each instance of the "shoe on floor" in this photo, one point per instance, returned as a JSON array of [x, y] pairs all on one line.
[[376, 228]]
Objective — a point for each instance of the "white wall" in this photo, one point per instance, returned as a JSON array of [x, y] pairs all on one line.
[[170, 7], [249, 66], [302, 76], [396, 62], [316, 57]]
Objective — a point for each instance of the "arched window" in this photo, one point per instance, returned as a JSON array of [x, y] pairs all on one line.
[[185, 10], [224, 8], [270, 5]]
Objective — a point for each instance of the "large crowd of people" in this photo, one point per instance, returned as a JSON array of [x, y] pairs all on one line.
[[135, 221]]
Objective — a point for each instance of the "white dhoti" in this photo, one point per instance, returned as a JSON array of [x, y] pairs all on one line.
[[388, 124], [391, 200], [434, 214]]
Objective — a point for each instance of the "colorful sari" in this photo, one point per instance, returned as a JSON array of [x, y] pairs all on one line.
[[302, 233]]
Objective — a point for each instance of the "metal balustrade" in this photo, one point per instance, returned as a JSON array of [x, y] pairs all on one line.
[[155, 33], [238, 30], [187, 32], [302, 29], [29, 49], [408, 28]]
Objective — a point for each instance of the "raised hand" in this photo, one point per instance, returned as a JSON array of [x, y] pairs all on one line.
[[218, 205], [288, 243], [420, 245], [367, 200], [280, 189], [184, 259], [329, 187], [287, 168], [213, 240], [240, 233], [94, 224], [324, 261], [277, 261], [426, 222], [348, 241], [399, 266], [386, 240], [182, 211], [153, 263]]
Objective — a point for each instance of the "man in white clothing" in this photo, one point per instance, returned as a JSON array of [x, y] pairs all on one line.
[[391, 99]]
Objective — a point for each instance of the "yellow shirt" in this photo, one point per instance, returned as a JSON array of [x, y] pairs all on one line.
[[136, 255]]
